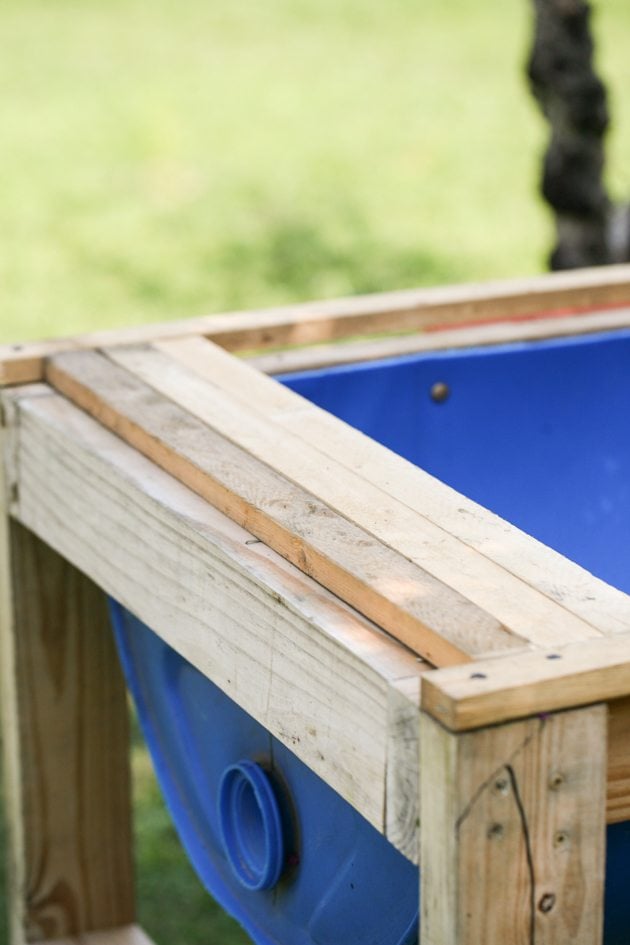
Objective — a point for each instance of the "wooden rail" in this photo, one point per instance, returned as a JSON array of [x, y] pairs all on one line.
[[412, 310]]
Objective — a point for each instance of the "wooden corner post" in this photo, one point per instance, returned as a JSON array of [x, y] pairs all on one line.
[[513, 831], [65, 742]]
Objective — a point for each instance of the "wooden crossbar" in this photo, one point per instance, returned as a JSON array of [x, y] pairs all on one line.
[[413, 310]]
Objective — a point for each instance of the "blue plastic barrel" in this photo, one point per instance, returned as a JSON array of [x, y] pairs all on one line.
[[537, 432], [278, 848]]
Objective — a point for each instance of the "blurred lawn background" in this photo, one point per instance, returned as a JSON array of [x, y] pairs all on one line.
[[171, 159]]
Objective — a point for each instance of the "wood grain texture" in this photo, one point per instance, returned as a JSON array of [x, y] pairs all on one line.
[[129, 935], [513, 832], [402, 813], [618, 793], [528, 586], [383, 582], [335, 319], [309, 358], [505, 688], [65, 734], [314, 672]]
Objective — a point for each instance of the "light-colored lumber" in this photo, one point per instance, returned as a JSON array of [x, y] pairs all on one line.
[[402, 813], [618, 794], [513, 832], [314, 672], [497, 690], [398, 593], [401, 504], [64, 721], [335, 319], [129, 935], [291, 360]]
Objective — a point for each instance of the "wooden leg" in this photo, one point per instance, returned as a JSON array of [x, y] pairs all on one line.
[[65, 736], [513, 831]]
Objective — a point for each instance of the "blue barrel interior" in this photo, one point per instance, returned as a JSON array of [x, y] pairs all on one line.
[[538, 433]]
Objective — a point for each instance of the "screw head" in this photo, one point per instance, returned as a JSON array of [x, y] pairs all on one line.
[[547, 902], [440, 392], [561, 838], [501, 786]]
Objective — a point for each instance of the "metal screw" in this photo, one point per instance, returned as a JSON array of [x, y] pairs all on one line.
[[501, 786], [547, 902], [440, 392], [560, 838]]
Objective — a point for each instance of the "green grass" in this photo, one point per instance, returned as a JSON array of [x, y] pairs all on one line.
[[168, 159]]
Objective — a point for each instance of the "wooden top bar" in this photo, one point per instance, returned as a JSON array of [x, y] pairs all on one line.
[[413, 310], [534, 683]]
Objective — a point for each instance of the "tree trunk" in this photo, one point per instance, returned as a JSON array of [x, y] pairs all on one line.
[[590, 231]]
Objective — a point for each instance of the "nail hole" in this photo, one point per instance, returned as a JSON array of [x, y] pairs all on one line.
[[440, 392], [556, 780], [560, 838], [495, 831]]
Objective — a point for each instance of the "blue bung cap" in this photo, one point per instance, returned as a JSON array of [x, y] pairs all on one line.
[[250, 825]]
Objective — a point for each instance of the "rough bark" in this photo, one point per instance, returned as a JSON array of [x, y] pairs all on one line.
[[589, 229]]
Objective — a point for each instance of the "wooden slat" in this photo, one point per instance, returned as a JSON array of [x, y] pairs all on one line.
[[66, 764], [513, 843], [129, 935], [454, 538], [497, 690], [310, 669], [335, 319], [402, 811], [618, 794], [291, 360], [399, 595]]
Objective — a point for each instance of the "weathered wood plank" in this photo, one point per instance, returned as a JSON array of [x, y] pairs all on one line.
[[301, 662], [618, 793], [402, 813], [505, 688], [513, 832], [334, 319], [381, 581], [401, 504], [129, 935], [66, 764], [291, 360]]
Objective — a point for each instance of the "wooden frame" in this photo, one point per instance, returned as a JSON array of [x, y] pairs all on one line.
[[439, 631]]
